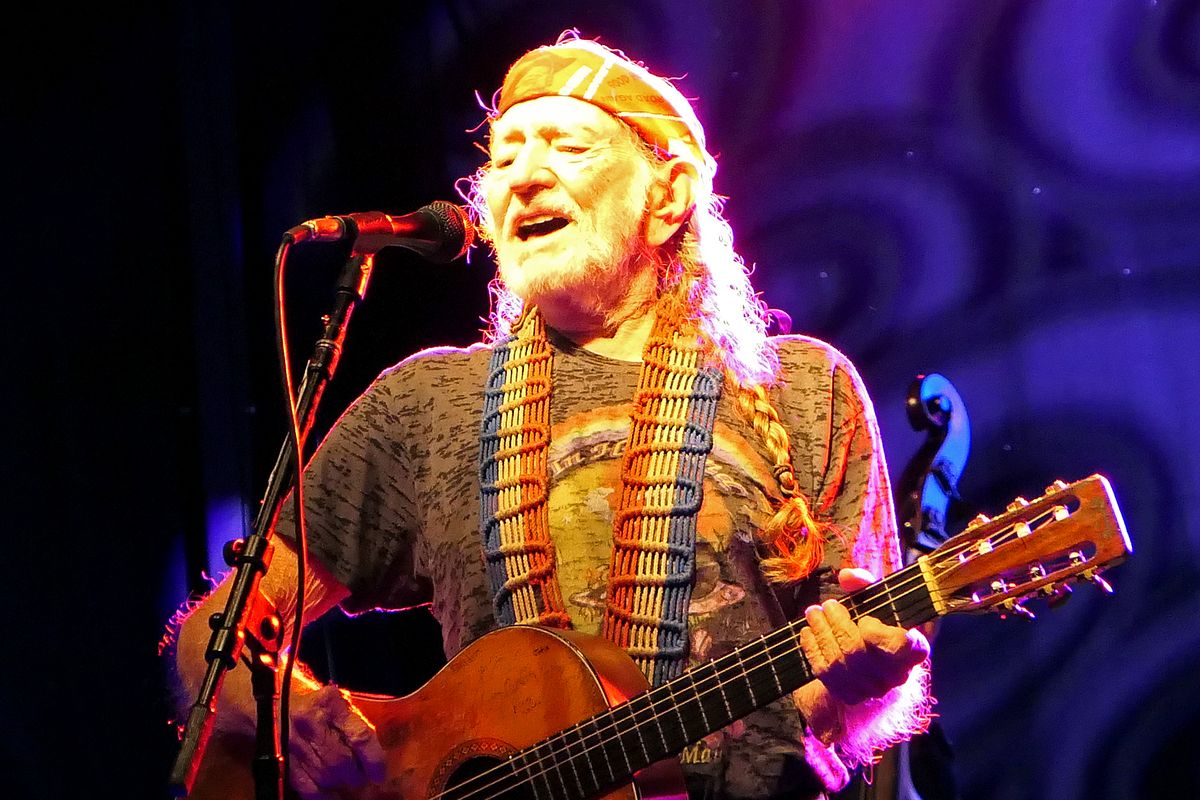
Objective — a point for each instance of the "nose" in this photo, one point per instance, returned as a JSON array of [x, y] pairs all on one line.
[[529, 173]]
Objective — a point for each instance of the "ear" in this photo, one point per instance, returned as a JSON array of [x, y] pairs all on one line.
[[672, 197]]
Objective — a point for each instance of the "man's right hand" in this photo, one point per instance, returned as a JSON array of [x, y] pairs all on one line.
[[331, 746]]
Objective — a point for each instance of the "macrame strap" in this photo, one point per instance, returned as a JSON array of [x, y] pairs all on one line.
[[513, 444], [654, 531], [662, 477]]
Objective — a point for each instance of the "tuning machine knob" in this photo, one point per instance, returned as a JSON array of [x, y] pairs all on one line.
[[1094, 577], [1057, 486], [1016, 609], [1057, 595], [1017, 504], [1093, 574]]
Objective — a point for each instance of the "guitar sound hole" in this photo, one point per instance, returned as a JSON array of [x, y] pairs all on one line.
[[485, 779]]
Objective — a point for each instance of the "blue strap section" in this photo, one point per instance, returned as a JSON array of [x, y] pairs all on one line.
[[689, 494], [489, 495]]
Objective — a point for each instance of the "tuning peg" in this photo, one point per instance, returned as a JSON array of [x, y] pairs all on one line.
[[1057, 595], [1017, 503], [980, 519], [1015, 608], [1057, 486], [1095, 578]]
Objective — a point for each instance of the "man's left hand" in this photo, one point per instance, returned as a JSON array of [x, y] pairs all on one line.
[[858, 660]]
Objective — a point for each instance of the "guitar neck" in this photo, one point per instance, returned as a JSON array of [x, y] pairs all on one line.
[[606, 750]]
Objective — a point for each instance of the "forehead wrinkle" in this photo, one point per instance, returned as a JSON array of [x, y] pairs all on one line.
[[547, 131]]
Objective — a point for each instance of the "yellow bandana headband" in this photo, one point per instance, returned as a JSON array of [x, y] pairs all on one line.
[[589, 71]]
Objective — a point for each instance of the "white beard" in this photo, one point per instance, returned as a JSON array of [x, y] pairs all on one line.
[[592, 269]]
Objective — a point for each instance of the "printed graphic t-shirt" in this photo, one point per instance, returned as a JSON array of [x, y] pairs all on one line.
[[393, 512]]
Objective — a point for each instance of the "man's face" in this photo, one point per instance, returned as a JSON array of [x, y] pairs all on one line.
[[567, 192]]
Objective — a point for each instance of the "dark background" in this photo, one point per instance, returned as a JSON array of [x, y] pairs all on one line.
[[1003, 192]]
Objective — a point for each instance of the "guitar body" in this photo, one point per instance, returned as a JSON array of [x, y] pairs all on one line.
[[509, 690], [499, 722]]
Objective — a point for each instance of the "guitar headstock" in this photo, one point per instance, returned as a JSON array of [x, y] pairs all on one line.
[[1034, 549]]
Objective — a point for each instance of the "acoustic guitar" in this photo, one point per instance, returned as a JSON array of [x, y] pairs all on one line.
[[543, 714]]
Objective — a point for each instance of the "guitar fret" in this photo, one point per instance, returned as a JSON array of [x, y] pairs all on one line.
[[766, 673], [748, 682], [724, 699], [887, 590], [566, 740], [671, 738], [718, 710], [660, 719], [584, 751], [637, 729], [551, 768], [678, 715], [700, 704], [530, 780], [917, 603], [796, 654], [736, 693], [542, 772], [774, 673], [558, 770], [612, 774], [619, 739], [852, 602], [654, 717]]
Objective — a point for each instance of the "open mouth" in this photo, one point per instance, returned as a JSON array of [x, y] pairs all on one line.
[[540, 225]]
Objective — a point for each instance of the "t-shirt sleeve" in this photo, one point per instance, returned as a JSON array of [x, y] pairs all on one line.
[[853, 493], [839, 461], [359, 487]]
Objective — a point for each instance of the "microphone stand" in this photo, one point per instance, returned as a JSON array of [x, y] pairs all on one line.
[[249, 618]]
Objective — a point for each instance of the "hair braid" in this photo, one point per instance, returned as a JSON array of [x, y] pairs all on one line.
[[793, 534]]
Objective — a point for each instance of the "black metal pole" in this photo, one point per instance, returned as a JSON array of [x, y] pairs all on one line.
[[248, 618]]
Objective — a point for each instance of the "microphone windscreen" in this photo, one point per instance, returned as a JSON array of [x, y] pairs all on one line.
[[455, 231]]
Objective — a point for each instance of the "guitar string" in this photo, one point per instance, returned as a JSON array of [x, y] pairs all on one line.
[[910, 584]]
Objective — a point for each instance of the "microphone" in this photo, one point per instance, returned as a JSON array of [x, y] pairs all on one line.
[[440, 231]]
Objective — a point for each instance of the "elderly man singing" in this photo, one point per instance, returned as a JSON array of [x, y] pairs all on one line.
[[627, 456]]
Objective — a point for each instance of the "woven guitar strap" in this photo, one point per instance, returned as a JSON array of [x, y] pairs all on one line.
[[662, 472]]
